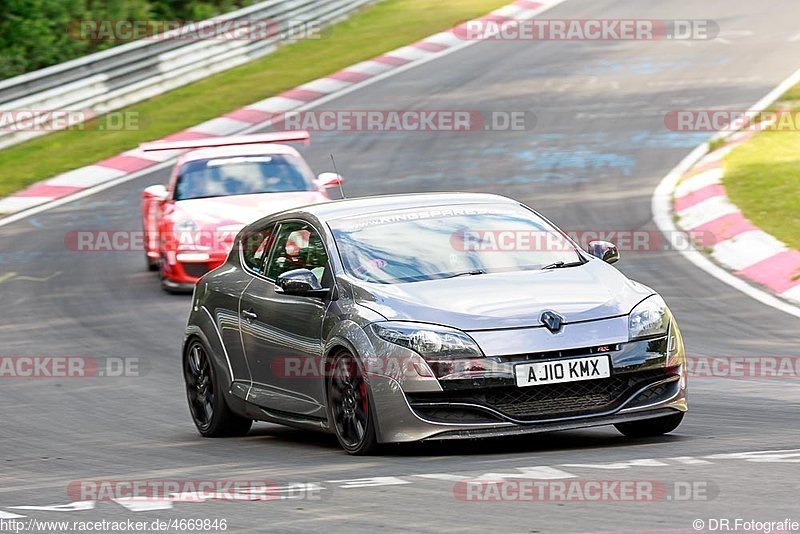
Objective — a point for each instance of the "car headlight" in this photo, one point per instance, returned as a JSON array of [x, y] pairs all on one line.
[[429, 341], [649, 318]]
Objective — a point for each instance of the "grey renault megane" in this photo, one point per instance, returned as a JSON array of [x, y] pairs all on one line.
[[427, 317]]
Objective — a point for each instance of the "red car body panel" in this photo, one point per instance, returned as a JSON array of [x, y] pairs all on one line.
[[206, 227]]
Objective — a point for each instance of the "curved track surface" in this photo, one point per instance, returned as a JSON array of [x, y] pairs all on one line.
[[597, 152]]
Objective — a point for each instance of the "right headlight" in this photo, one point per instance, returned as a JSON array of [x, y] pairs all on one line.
[[429, 341], [648, 319]]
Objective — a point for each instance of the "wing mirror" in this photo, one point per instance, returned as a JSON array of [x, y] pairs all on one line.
[[329, 179], [300, 282], [156, 192], [608, 252]]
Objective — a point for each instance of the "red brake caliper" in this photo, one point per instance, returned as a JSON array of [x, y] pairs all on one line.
[[363, 389]]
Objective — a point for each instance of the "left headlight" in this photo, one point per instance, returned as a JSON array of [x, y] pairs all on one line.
[[429, 341], [649, 318]]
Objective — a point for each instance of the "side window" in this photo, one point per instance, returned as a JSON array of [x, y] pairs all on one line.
[[255, 246], [297, 246]]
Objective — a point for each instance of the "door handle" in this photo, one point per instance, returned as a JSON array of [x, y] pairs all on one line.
[[249, 314]]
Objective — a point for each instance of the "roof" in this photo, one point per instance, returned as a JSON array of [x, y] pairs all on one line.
[[238, 150], [352, 207]]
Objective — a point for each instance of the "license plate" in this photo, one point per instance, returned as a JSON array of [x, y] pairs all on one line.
[[560, 371]]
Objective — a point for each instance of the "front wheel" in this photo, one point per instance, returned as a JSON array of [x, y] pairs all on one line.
[[649, 428], [210, 413], [349, 406]]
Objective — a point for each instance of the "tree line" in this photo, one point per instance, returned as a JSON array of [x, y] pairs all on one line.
[[38, 33]]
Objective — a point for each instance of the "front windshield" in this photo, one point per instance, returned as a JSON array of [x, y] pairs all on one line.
[[242, 175], [448, 241]]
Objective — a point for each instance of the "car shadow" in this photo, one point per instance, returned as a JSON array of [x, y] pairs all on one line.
[[566, 440]]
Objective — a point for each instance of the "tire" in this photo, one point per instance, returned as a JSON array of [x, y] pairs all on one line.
[[162, 279], [649, 428], [152, 265], [210, 413], [350, 406]]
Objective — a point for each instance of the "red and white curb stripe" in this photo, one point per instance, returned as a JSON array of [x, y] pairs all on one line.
[[262, 112], [704, 210]]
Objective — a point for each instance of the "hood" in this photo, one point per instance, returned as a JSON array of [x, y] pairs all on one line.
[[242, 209], [589, 292]]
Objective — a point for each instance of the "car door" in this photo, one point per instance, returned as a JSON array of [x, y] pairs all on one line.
[[281, 334]]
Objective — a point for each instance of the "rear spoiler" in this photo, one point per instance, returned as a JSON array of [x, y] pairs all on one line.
[[211, 142]]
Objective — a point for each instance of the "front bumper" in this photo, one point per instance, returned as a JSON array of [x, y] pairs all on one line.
[[180, 273], [648, 380]]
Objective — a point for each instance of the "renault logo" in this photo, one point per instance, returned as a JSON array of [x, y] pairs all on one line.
[[552, 321]]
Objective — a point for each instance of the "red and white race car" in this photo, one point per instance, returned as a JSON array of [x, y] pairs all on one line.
[[217, 188]]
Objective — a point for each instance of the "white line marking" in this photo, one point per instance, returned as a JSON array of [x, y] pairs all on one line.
[[443, 476], [144, 504], [538, 472], [9, 515], [688, 460], [76, 506], [780, 456], [644, 462], [369, 482]]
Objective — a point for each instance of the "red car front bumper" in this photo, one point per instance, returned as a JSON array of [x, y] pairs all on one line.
[[181, 270]]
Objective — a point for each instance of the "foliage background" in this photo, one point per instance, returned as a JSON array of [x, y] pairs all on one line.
[[35, 33]]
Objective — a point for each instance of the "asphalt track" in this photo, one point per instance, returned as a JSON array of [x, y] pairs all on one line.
[[597, 152]]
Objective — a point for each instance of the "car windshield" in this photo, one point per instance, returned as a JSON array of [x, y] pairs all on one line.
[[448, 241], [242, 175]]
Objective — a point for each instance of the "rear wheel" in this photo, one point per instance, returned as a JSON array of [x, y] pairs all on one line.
[[210, 412], [649, 428], [152, 264], [350, 407]]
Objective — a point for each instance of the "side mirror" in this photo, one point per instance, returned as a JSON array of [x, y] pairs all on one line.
[[156, 192], [300, 282], [608, 252], [329, 179]]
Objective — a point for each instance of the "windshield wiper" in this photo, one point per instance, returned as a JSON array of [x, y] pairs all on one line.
[[561, 264], [473, 272]]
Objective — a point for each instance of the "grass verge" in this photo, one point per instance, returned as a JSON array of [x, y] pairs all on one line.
[[762, 177], [371, 32]]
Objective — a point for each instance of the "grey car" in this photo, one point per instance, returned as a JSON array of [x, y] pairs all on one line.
[[427, 317]]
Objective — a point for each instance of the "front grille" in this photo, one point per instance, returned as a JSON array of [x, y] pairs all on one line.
[[195, 270], [548, 401], [456, 414]]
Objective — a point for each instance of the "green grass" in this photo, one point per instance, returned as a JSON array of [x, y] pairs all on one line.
[[372, 31], [762, 177]]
